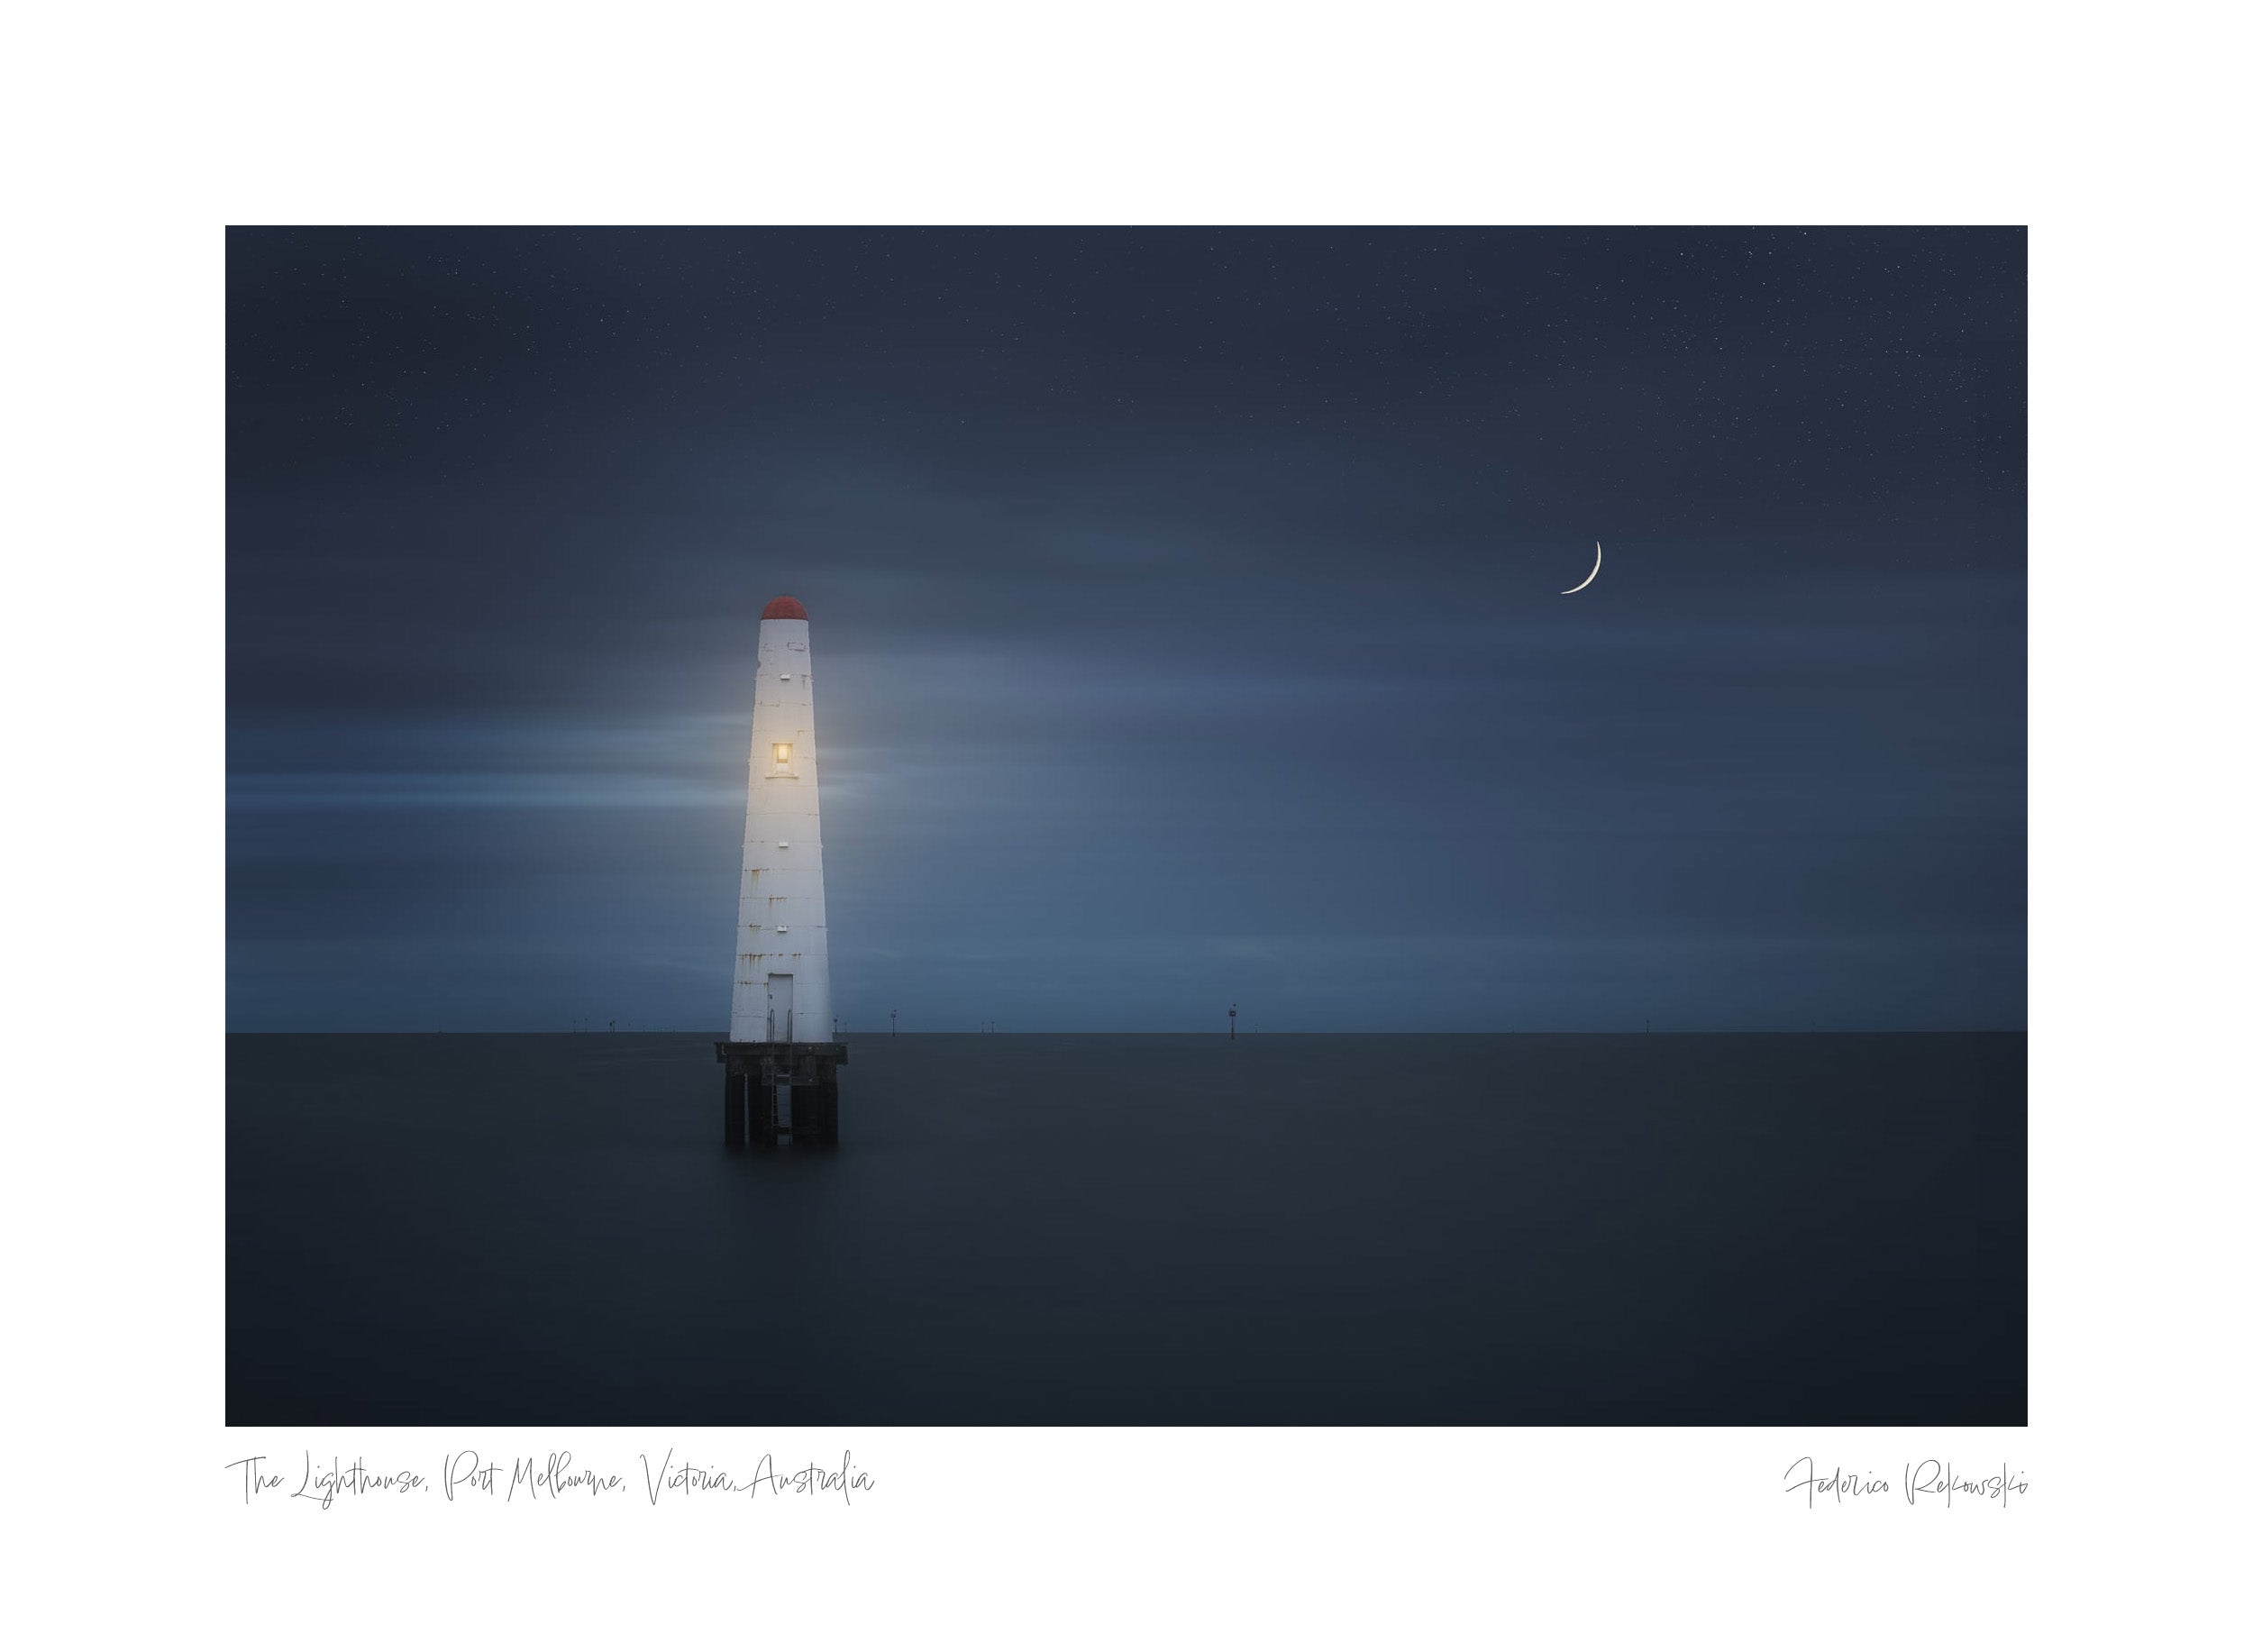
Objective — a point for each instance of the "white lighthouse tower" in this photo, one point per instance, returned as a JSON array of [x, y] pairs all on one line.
[[782, 930], [781, 1057]]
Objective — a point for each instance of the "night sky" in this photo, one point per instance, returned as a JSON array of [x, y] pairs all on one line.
[[1187, 617]]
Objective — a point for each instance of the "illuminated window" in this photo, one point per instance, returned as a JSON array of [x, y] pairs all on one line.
[[782, 753]]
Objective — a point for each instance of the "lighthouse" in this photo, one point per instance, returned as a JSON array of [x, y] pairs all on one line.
[[782, 1060]]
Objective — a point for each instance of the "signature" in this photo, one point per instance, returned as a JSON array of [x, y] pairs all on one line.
[[1928, 1480]]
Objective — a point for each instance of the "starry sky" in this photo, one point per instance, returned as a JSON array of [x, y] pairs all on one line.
[[1187, 617]]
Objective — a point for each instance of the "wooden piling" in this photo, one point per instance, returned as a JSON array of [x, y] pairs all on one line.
[[736, 1104]]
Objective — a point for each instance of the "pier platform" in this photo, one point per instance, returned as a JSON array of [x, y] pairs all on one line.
[[775, 1093]]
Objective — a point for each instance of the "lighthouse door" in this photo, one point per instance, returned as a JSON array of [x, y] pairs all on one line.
[[778, 1009]]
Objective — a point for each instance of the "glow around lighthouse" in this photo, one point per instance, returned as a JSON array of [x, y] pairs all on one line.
[[783, 927]]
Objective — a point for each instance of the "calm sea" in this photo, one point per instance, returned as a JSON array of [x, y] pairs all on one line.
[[546, 1229]]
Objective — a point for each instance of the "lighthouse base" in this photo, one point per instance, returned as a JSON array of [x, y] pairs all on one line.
[[774, 1093]]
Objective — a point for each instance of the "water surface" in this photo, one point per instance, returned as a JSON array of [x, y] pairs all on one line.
[[546, 1229]]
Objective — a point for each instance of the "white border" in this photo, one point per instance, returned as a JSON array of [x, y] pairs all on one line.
[[138, 132]]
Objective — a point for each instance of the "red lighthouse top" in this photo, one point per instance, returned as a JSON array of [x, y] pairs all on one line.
[[785, 607]]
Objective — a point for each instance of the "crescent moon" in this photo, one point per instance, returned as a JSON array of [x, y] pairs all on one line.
[[1591, 572]]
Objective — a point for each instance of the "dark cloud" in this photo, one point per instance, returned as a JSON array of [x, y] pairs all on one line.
[[1186, 610]]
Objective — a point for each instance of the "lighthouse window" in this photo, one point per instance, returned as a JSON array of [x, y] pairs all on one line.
[[781, 753]]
